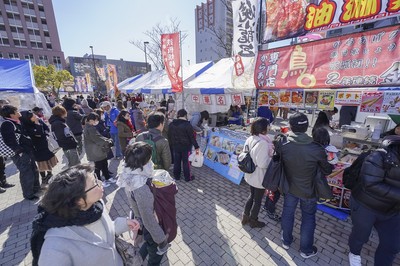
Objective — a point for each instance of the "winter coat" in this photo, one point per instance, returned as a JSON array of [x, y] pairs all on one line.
[[9, 129], [260, 152], [195, 121], [110, 119], [124, 132], [103, 130], [96, 146], [86, 109], [64, 136], [77, 245], [181, 135], [164, 157], [301, 159], [74, 122], [138, 119], [38, 135], [379, 184]]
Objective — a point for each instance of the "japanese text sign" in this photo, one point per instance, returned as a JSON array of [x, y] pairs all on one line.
[[171, 57], [291, 18], [371, 102], [221, 100], [358, 60], [245, 17], [348, 97], [237, 99], [206, 99], [195, 98], [391, 103]]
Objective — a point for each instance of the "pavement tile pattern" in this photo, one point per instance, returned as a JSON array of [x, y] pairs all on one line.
[[210, 232]]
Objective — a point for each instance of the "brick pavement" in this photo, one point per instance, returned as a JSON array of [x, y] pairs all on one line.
[[209, 233]]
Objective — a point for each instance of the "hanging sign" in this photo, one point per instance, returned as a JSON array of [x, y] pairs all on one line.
[[206, 99], [221, 100], [284, 98], [171, 57], [195, 98], [326, 100], [297, 98], [237, 99], [371, 101], [367, 59], [311, 99], [348, 97], [391, 103]]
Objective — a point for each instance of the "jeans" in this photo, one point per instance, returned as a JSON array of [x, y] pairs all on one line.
[[149, 248], [387, 226], [308, 209], [270, 205], [253, 204], [103, 167], [72, 157], [28, 174], [114, 137], [181, 157]]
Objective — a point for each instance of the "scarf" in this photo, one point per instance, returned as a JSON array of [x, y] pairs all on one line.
[[43, 221], [134, 179]]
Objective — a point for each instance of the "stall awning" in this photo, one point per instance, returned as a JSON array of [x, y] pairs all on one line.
[[128, 81], [16, 75]]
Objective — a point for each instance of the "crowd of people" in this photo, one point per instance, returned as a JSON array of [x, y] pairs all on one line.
[[71, 211]]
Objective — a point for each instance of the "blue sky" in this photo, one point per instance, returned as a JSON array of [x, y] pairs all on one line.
[[110, 25]]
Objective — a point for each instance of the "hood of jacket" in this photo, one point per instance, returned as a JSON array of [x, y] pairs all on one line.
[[55, 118], [299, 138], [134, 179]]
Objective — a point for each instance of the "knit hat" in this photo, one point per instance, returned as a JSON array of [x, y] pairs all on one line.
[[298, 119]]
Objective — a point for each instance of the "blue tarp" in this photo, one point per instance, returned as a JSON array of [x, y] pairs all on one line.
[[16, 75]]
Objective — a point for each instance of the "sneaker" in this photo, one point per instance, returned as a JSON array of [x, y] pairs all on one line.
[[273, 216], [309, 255], [354, 260], [6, 185], [111, 180], [2, 190], [283, 244]]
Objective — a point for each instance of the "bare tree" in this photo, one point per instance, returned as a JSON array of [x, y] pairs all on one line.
[[153, 49]]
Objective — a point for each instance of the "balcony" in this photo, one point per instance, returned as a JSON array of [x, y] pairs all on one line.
[[45, 28], [27, 1], [29, 12], [34, 38], [32, 25], [18, 36], [14, 22], [12, 9], [1, 20], [42, 14], [47, 39]]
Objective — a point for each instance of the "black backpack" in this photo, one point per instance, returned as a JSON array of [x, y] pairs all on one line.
[[245, 162], [352, 173]]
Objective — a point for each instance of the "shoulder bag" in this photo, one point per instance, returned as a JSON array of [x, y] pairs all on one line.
[[245, 162]]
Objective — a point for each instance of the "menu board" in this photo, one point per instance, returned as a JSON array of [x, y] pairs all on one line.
[[371, 102], [221, 155], [311, 99], [284, 98], [348, 97], [263, 98], [326, 100], [268, 98], [297, 98], [391, 103]]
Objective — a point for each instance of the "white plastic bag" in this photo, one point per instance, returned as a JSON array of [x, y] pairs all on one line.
[[197, 159]]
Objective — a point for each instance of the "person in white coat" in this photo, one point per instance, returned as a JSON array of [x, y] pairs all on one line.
[[261, 150]]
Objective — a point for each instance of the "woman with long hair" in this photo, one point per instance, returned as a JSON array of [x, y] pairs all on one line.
[[37, 130]]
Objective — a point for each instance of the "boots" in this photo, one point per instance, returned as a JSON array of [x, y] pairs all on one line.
[[256, 223], [245, 219]]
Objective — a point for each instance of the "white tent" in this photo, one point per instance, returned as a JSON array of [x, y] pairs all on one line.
[[221, 79], [128, 81], [17, 86], [137, 84]]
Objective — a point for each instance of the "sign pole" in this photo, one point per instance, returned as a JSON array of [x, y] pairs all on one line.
[[183, 93]]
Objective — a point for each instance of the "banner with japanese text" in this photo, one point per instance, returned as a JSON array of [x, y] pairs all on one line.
[[365, 59], [391, 103], [348, 97], [291, 18], [171, 56], [245, 17], [371, 101]]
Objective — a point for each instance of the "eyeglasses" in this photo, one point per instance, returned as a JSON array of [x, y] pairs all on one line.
[[97, 183]]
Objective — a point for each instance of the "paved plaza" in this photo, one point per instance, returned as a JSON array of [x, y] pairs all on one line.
[[210, 233]]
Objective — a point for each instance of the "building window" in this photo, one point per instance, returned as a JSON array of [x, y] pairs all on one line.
[[48, 45], [43, 61], [57, 62], [20, 43], [30, 58], [44, 22], [36, 45], [3, 38], [13, 56]]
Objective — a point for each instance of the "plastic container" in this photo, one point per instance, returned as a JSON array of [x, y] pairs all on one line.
[[377, 131]]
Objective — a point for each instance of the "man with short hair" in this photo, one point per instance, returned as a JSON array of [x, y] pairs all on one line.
[[110, 116], [301, 158], [155, 123], [181, 137]]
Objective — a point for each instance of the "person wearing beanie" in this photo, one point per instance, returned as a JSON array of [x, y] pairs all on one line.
[[301, 157]]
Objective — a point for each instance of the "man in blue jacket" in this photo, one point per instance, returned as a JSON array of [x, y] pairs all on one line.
[[111, 114]]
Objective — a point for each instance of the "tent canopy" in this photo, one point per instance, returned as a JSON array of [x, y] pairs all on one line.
[[136, 84], [16, 75], [221, 78], [128, 81]]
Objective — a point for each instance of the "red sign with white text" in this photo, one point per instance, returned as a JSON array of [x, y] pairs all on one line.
[[171, 57], [356, 60]]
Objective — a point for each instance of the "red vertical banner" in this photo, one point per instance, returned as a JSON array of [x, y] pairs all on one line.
[[171, 56]]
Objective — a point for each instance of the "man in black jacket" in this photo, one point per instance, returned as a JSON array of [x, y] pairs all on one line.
[[181, 137], [301, 159], [63, 135], [74, 121], [375, 202], [13, 137]]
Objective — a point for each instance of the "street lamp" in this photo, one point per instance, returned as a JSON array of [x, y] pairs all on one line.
[[95, 72], [145, 54]]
